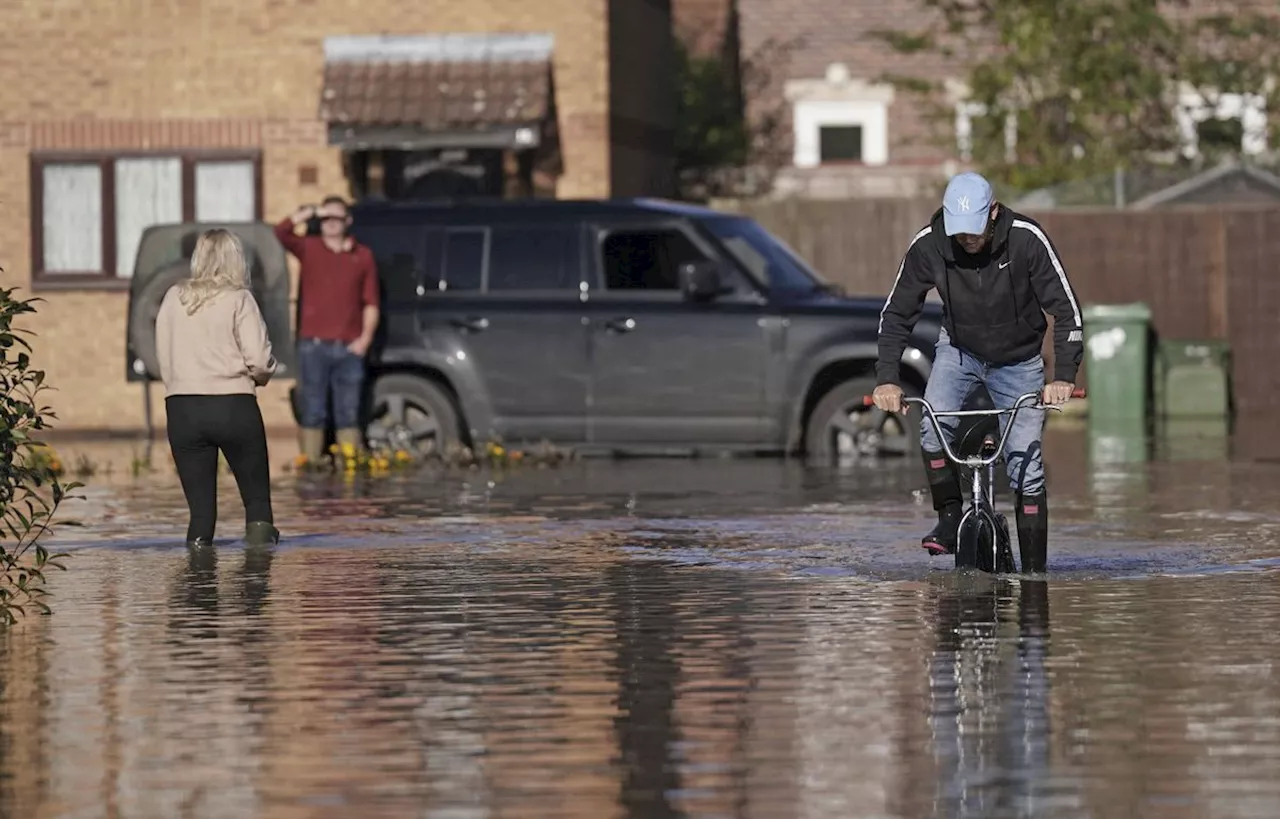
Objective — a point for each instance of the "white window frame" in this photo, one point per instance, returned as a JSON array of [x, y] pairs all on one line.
[[838, 100], [1194, 107]]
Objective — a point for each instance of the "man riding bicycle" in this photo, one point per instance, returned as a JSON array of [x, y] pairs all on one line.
[[997, 274]]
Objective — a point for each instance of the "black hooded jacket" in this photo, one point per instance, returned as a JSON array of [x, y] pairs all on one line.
[[994, 302]]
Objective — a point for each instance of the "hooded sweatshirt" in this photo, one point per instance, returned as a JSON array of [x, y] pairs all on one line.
[[994, 302]]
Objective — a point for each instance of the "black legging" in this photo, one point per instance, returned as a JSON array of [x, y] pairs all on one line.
[[199, 426]]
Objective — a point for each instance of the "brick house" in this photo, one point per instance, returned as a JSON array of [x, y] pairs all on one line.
[[845, 131], [114, 118], [848, 132]]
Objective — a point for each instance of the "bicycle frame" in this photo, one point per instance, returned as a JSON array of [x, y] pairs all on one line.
[[982, 497]]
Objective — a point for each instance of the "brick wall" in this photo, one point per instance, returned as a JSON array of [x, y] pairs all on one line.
[[642, 115], [820, 32], [702, 24], [244, 60], [226, 74]]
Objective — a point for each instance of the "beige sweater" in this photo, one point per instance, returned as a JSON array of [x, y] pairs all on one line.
[[222, 349]]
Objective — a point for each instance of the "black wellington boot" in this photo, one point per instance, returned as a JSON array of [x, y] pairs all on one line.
[[944, 485], [1032, 514]]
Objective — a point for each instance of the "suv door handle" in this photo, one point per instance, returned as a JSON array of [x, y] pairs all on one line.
[[474, 324], [621, 325]]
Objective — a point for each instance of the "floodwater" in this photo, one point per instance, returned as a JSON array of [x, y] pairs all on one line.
[[660, 639]]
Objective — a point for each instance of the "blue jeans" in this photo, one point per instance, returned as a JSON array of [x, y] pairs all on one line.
[[956, 373], [326, 365]]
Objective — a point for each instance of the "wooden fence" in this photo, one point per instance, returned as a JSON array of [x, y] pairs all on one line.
[[1206, 272]]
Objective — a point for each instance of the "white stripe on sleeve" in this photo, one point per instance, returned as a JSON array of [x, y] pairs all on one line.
[[898, 278], [1057, 265]]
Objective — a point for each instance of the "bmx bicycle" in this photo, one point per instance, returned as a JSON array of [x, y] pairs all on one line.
[[982, 540]]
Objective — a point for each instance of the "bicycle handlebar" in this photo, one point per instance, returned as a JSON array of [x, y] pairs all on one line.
[[934, 415], [1078, 392]]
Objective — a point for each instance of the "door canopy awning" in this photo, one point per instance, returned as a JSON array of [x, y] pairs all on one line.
[[437, 91]]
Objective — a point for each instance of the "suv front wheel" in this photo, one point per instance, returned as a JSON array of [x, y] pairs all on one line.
[[842, 428], [412, 414]]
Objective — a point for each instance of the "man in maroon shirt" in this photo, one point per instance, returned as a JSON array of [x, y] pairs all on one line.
[[337, 317]]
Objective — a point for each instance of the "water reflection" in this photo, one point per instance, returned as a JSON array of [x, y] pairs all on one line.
[[448, 682], [657, 639], [990, 694]]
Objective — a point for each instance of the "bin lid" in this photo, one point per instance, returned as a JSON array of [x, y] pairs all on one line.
[[1177, 351], [1137, 311], [1194, 346]]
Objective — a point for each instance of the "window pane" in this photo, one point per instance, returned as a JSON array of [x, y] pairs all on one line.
[[148, 192], [647, 260], [1220, 135], [538, 257], [72, 230], [464, 254], [225, 191], [397, 250], [840, 143]]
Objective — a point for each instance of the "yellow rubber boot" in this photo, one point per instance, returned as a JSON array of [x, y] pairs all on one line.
[[349, 437]]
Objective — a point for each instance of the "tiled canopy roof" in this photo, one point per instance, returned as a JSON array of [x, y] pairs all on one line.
[[437, 83]]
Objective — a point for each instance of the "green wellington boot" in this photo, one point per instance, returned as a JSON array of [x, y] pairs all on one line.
[[261, 533], [311, 444]]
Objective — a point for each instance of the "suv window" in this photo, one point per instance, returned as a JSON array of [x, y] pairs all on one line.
[[465, 251], [534, 257], [397, 253], [646, 259]]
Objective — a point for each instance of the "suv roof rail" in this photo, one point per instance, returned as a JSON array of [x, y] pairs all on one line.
[[619, 203]]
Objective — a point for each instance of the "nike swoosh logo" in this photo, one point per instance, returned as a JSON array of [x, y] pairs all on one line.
[[1003, 266]]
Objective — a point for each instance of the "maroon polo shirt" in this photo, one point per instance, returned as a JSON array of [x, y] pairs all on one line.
[[333, 287]]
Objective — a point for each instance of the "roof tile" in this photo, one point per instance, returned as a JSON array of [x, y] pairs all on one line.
[[438, 95]]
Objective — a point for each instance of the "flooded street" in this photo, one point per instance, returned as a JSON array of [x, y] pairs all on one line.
[[658, 639]]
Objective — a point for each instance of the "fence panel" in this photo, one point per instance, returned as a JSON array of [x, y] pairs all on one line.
[[1206, 272], [1253, 305]]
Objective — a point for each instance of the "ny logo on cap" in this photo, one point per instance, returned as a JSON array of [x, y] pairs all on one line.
[[963, 204]]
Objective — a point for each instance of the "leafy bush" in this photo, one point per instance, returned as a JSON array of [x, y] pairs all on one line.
[[31, 490]]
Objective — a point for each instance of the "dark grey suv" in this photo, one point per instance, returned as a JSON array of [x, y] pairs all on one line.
[[629, 325]]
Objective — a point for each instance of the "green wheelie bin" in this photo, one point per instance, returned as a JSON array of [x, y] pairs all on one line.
[[1117, 360], [1192, 378]]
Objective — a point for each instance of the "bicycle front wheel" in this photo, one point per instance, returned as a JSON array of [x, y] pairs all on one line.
[[1004, 548], [976, 543]]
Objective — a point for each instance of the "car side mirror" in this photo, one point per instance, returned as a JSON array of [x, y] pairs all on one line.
[[700, 281]]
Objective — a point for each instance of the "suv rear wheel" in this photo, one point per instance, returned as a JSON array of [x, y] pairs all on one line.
[[842, 428], [412, 414]]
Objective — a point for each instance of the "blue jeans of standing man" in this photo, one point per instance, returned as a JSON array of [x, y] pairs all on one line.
[[956, 373], [324, 366]]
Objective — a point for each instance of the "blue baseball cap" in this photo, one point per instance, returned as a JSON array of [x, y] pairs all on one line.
[[966, 205]]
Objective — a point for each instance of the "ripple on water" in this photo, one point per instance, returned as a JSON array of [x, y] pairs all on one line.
[[777, 645]]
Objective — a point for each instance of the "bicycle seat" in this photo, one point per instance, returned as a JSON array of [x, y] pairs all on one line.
[[972, 432]]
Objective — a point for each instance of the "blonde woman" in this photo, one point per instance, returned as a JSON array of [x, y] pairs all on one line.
[[214, 352]]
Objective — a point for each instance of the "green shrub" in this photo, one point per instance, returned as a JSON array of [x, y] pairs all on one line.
[[31, 490]]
